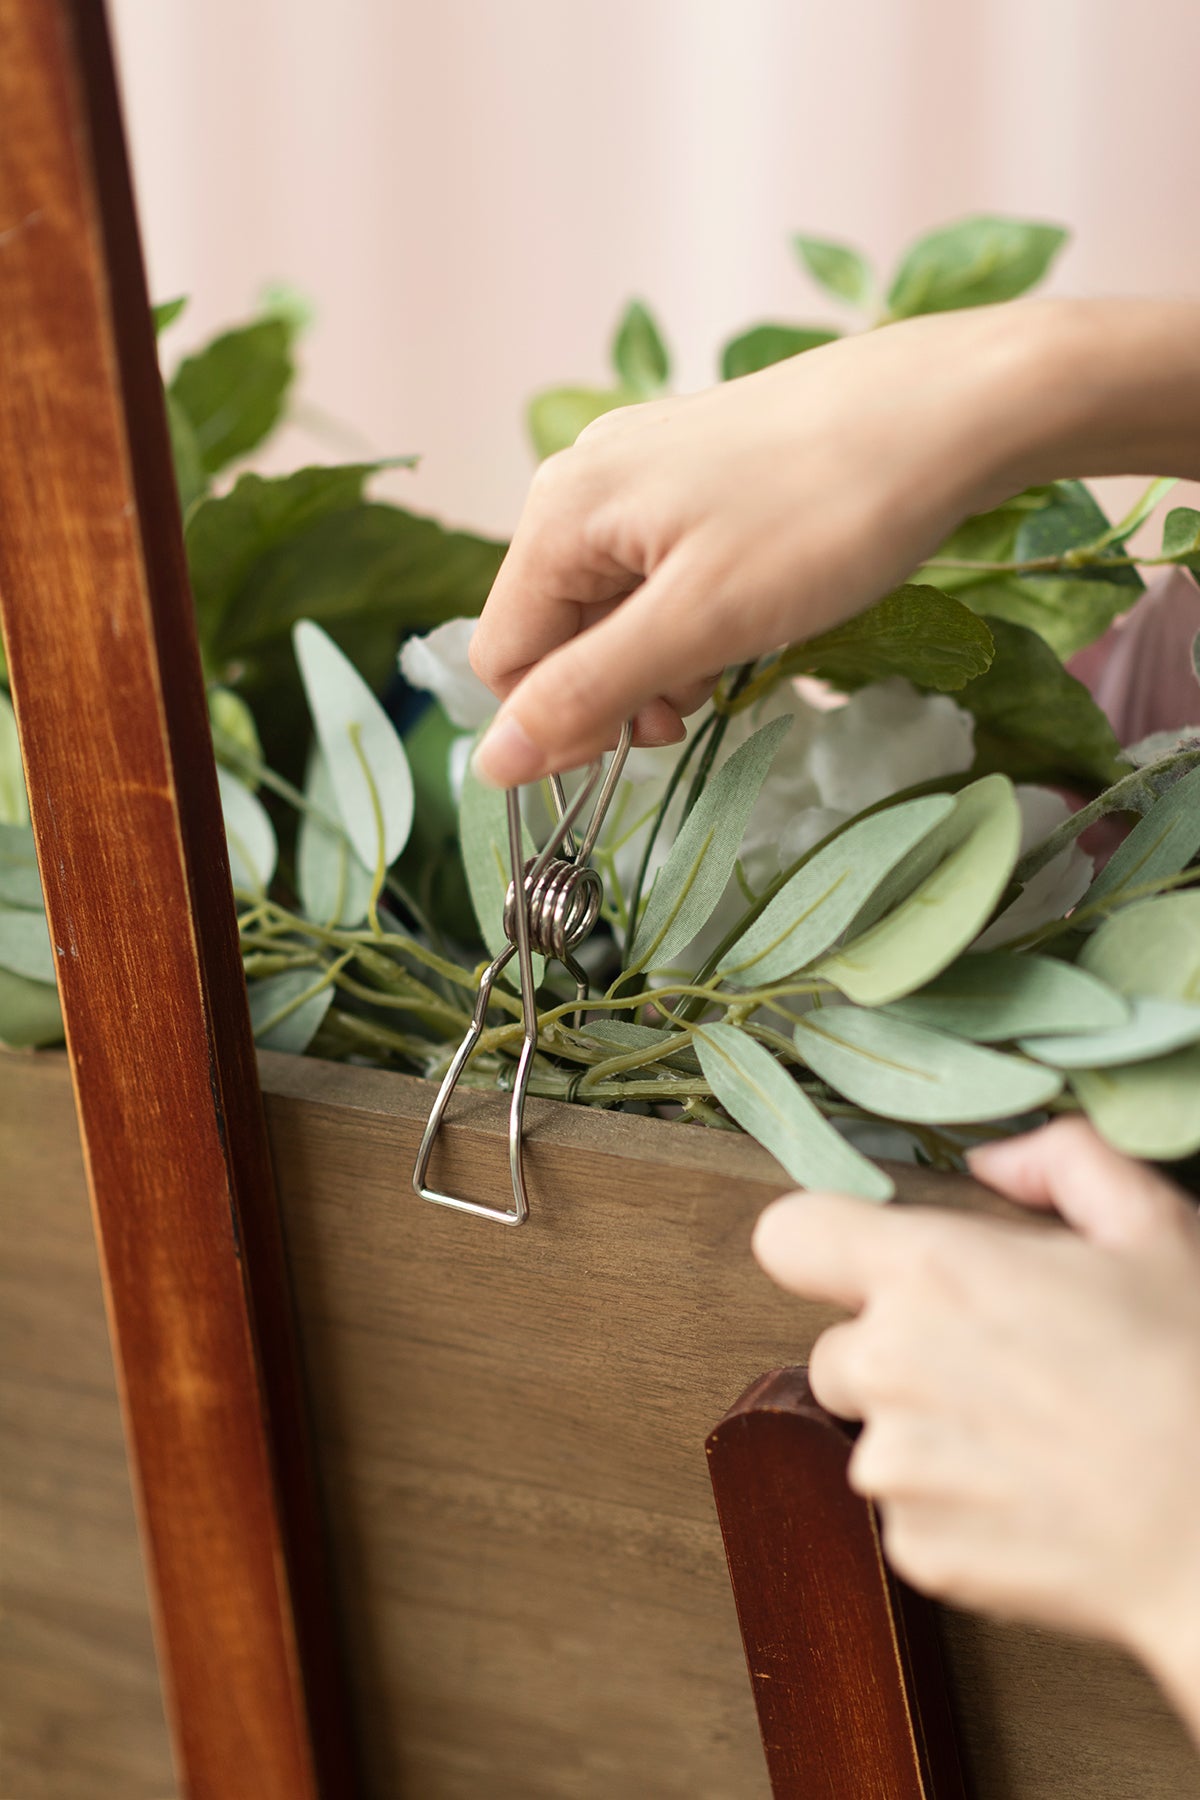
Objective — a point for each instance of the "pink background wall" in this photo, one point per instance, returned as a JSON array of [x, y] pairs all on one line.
[[470, 189]]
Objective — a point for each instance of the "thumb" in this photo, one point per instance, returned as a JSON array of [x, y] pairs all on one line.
[[1067, 1165]]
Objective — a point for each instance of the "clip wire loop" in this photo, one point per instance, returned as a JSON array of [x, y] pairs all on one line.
[[555, 908]]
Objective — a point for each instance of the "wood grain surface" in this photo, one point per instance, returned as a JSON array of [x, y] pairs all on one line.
[[511, 1430], [106, 681]]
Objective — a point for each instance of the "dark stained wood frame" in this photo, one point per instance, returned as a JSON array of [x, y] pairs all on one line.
[[100, 639], [844, 1659]]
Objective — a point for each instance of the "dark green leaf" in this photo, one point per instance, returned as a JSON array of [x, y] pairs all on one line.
[[995, 996], [930, 638], [765, 345], [989, 537], [973, 263], [1034, 721], [1181, 536], [191, 477], [556, 417], [233, 391], [766, 1102], [638, 353], [1069, 611], [1070, 521], [841, 269], [166, 313]]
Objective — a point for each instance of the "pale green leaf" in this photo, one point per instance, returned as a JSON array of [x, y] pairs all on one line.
[[1141, 509], [701, 859], [638, 353], [20, 884], [945, 910], [14, 807], [623, 1034], [249, 833], [1151, 947], [286, 1010], [765, 1101], [1153, 1028], [765, 345], [556, 417], [29, 1013], [899, 1070], [973, 263], [929, 637], [994, 996], [483, 837], [335, 887], [230, 715], [812, 910], [1159, 846], [372, 782], [25, 947], [840, 269], [1146, 1108], [1034, 721], [1181, 536]]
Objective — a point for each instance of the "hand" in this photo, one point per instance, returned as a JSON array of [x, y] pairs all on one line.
[[1031, 1398], [683, 535]]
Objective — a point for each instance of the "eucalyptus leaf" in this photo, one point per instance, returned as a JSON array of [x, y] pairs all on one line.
[[1153, 1028], [25, 947], [947, 907], [335, 887], [14, 806], [765, 1101], [483, 836], [840, 269], [1034, 721], [700, 862], [1151, 947], [286, 1010], [810, 912], [639, 355], [557, 416], [623, 1034], [1146, 1108], [367, 764], [229, 714], [1181, 536], [994, 996], [30, 1017], [929, 637], [249, 833], [233, 391], [1160, 845], [20, 883], [973, 263], [765, 345], [900, 1070]]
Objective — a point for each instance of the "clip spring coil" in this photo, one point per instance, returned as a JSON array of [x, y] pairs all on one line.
[[549, 913]]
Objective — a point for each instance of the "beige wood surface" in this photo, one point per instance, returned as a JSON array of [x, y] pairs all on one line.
[[511, 1430]]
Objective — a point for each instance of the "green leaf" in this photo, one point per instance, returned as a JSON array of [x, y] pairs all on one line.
[[29, 1013], [973, 263], [483, 835], [367, 766], [335, 887], [228, 713], [930, 638], [994, 996], [166, 313], [1151, 947], [765, 345], [840, 269], [983, 538], [1071, 521], [701, 859], [1181, 536], [25, 947], [1069, 611], [1146, 1108], [623, 1034], [253, 851], [191, 477], [940, 915], [286, 1010], [234, 390], [1141, 509], [812, 910], [556, 417], [14, 806], [639, 355], [767, 1103], [904, 1071], [20, 884], [1159, 846], [1153, 1028], [1034, 721]]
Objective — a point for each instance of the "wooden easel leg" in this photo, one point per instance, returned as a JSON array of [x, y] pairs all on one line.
[[844, 1661]]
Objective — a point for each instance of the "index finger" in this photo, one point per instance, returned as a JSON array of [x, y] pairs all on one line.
[[838, 1248]]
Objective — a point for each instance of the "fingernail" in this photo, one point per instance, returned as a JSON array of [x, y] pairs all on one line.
[[507, 756]]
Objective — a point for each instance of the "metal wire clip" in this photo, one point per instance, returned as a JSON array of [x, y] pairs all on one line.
[[559, 904]]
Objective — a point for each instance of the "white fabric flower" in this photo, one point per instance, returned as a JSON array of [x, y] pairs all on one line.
[[1055, 889], [439, 663], [887, 737]]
